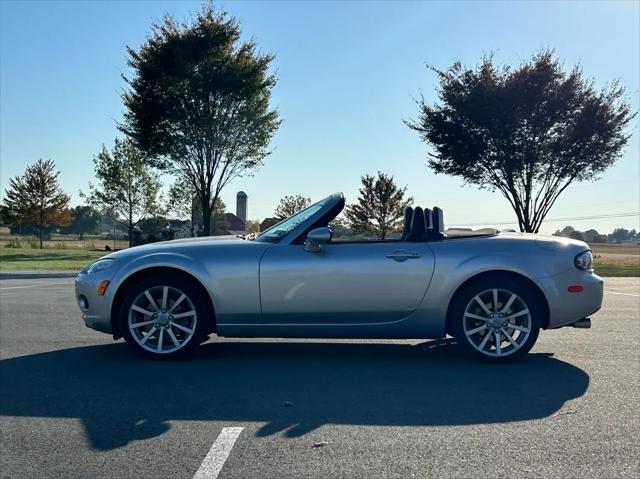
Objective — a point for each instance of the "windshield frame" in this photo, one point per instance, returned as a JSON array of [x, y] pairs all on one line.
[[329, 202]]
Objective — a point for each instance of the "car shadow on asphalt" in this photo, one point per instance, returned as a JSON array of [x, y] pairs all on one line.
[[291, 387]]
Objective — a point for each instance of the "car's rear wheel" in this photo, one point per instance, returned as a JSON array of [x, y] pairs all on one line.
[[164, 317], [496, 319]]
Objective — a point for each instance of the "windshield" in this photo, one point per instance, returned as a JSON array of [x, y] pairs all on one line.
[[286, 226]]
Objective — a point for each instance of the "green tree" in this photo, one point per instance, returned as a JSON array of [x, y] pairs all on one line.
[[127, 189], [37, 196], [154, 227], [340, 227], [198, 103], [218, 220], [592, 236], [527, 131], [84, 220], [253, 226], [290, 205], [182, 203], [180, 200], [380, 207], [619, 235], [577, 235], [565, 232]]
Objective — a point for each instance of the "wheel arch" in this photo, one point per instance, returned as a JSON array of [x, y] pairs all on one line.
[[488, 275], [150, 272]]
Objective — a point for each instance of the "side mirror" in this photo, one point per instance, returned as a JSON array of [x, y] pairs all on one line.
[[317, 237]]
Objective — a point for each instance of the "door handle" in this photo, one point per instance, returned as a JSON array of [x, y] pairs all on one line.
[[402, 255]]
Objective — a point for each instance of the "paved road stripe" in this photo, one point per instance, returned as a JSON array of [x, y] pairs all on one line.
[[625, 294], [212, 464], [6, 288]]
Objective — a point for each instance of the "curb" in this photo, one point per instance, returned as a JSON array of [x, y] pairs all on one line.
[[37, 274]]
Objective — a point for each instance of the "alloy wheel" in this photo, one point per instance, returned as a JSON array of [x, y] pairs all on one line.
[[497, 322], [162, 319]]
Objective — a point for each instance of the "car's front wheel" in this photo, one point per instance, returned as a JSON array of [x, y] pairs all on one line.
[[164, 317], [496, 319]]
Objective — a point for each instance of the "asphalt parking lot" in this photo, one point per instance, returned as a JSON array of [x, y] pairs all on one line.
[[73, 403]]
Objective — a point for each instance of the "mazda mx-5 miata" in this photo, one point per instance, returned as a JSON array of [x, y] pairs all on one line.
[[492, 291]]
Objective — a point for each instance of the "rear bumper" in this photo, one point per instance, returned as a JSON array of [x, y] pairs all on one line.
[[565, 308]]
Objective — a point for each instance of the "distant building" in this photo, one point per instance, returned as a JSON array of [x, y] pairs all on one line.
[[238, 222], [241, 207], [236, 225], [181, 228], [268, 223]]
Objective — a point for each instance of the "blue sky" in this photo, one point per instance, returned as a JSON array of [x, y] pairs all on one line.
[[348, 73]]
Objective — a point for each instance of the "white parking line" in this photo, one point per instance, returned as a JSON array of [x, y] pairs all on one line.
[[220, 450], [34, 286], [624, 294]]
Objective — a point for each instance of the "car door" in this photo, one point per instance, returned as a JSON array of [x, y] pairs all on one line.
[[371, 282]]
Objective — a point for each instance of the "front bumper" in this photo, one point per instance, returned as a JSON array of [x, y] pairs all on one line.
[[566, 308], [95, 309]]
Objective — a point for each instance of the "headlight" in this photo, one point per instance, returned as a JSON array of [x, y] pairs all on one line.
[[584, 261], [98, 266]]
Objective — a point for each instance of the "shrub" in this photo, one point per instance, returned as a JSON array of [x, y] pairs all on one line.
[[15, 243]]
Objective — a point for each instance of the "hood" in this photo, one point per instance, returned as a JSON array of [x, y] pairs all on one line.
[[176, 245], [200, 239]]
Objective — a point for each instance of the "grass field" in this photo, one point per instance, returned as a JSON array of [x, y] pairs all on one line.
[[60, 253], [29, 259], [68, 242], [609, 260], [616, 260]]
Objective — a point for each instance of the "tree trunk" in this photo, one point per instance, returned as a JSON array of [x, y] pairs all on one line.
[[206, 217], [130, 225], [523, 224], [527, 226], [214, 215], [41, 226]]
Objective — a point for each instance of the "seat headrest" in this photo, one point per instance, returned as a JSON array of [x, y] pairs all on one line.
[[428, 219], [408, 217], [438, 221], [417, 232]]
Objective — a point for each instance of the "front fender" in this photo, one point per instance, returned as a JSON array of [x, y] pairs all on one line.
[[173, 260], [167, 260]]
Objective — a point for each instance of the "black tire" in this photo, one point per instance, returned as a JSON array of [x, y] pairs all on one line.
[[194, 296], [506, 286]]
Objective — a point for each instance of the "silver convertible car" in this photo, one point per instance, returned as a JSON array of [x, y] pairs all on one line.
[[492, 291]]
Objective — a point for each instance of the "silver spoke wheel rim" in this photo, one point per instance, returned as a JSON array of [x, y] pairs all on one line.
[[162, 319], [497, 322]]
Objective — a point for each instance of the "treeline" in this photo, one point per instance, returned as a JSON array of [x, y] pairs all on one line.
[[125, 201], [619, 235]]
